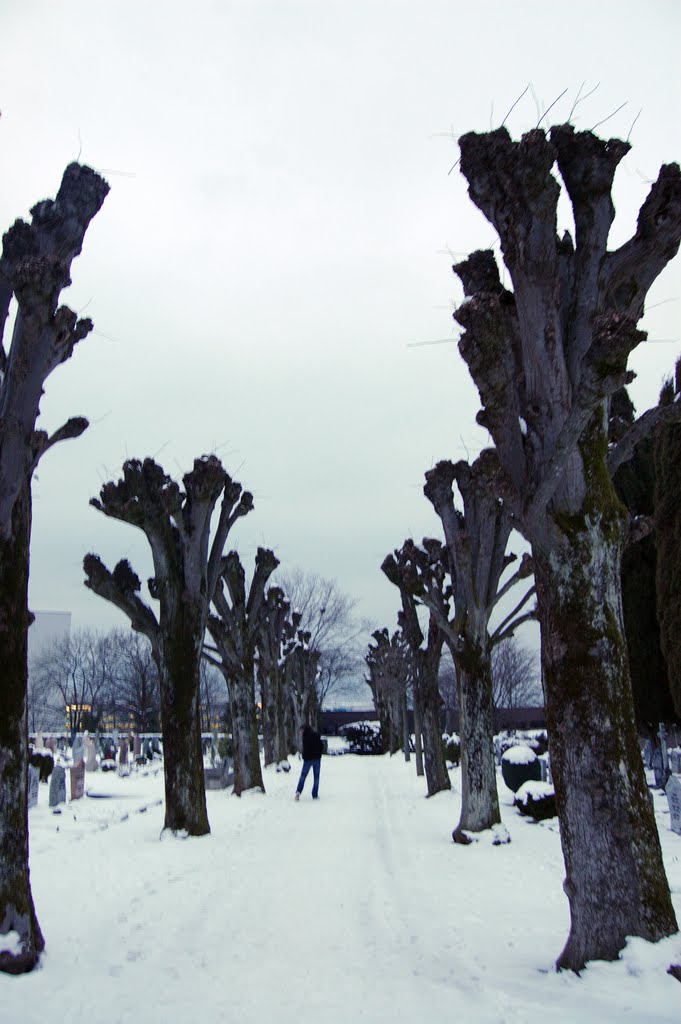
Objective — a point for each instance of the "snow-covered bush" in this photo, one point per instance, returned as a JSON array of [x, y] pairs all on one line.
[[537, 800], [520, 764], [452, 748], [363, 737]]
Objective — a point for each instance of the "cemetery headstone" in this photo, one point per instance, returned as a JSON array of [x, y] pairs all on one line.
[[57, 786], [78, 748], [39, 742], [137, 745], [33, 784], [673, 791], [675, 761], [90, 754], [658, 769], [648, 749], [77, 781], [123, 754]]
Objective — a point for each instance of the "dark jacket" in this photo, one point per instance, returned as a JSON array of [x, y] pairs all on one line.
[[312, 744]]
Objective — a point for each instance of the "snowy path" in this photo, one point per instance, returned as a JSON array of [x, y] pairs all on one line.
[[354, 907]]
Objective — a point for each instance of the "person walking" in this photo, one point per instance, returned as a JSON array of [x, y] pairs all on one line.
[[312, 758]]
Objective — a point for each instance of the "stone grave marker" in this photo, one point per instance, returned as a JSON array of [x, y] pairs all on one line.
[[78, 748], [675, 761], [33, 784], [137, 746], [90, 754], [39, 742], [673, 791], [659, 769], [57, 786], [77, 781], [648, 748]]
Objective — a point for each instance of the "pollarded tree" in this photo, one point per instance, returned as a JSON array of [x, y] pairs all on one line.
[[302, 669], [389, 663], [426, 651], [546, 358], [34, 268], [235, 632], [272, 652], [177, 524], [476, 541]]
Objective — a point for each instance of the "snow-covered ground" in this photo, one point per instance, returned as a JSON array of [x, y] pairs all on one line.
[[354, 907]]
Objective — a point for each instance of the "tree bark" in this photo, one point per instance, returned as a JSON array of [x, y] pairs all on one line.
[[479, 797], [247, 770], [437, 776], [615, 880], [17, 912], [179, 657], [547, 359]]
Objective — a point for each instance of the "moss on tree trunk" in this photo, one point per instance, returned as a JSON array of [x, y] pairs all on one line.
[[615, 880]]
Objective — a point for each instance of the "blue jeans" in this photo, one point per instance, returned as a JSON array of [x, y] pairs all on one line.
[[314, 765]]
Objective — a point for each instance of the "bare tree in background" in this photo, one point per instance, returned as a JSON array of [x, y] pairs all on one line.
[[426, 651], [77, 674], [514, 676], [235, 631], [135, 701], [328, 615], [547, 357], [390, 673], [274, 646], [177, 524], [213, 695], [34, 268]]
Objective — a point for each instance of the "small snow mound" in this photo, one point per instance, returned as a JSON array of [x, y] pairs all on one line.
[[10, 943], [519, 755], [533, 790]]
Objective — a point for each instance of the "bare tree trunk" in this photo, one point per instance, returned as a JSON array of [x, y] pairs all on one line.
[[479, 797], [178, 666], [437, 776], [615, 880], [16, 900], [247, 770]]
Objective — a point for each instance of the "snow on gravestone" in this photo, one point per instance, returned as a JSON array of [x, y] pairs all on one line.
[[33, 783], [57, 786], [673, 792], [77, 781]]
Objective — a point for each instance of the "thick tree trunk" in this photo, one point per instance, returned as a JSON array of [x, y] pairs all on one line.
[[178, 665], [17, 912], [275, 745], [615, 880], [479, 797], [247, 770], [437, 776]]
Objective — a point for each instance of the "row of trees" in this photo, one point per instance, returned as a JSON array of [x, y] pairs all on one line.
[[82, 680], [195, 590], [548, 357]]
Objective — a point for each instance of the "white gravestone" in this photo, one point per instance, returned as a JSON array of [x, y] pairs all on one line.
[[57, 786], [90, 754], [673, 792]]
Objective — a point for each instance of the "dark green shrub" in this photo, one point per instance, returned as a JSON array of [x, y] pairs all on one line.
[[363, 737], [520, 764], [536, 804], [452, 748]]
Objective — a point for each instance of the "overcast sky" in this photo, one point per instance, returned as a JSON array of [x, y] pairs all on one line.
[[279, 234]]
